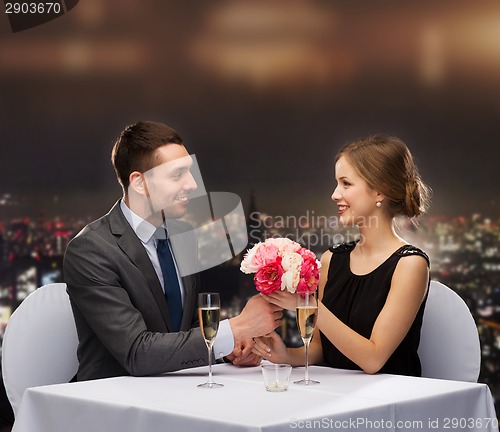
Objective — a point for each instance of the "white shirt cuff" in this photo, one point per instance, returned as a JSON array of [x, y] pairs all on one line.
[[224, 341]]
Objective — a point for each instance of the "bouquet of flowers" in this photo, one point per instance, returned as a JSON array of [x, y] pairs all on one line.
[[279, 264]]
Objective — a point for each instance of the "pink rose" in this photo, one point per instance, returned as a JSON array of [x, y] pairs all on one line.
[[306, 253], [265, 254], [309, 272], [257, 257], [268, 278]]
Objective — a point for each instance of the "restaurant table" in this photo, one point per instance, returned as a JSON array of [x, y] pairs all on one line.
[[344, 400]]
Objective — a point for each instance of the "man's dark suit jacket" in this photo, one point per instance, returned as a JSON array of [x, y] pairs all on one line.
[[120, 310]]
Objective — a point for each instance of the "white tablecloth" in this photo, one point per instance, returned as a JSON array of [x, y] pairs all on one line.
[[344, 400]]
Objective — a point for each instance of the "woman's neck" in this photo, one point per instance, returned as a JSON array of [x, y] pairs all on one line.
[[378, 236]]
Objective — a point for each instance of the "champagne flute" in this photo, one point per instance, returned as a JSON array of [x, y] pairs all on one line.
[[209, 315], [307, 314]]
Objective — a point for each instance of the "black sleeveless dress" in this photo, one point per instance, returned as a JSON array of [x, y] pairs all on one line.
[[357, 301]]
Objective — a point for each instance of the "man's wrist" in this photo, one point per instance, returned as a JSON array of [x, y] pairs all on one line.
[[237, 328]]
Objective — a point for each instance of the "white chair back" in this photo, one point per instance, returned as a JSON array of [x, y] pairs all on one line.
[[449, 342], [40, 342]]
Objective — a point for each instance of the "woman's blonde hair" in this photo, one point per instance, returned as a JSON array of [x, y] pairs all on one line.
[[387, 166]]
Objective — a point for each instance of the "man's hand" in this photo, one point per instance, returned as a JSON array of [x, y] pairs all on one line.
[[258, 318], [242, 354]]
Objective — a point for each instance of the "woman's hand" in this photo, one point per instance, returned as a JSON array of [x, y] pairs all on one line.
[[283, 299], [271, 348]]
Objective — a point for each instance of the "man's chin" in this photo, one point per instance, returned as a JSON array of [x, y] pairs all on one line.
[[176, 211]]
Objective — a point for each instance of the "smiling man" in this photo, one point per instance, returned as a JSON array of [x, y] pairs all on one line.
[[134, 312]]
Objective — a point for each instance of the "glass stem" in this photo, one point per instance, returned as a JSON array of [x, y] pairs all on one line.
[[306, 377], [210, 365]]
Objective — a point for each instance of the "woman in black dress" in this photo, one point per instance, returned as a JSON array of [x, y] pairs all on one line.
[[372, 292]]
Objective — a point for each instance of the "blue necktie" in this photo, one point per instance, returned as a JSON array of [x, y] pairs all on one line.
[[170, 283]]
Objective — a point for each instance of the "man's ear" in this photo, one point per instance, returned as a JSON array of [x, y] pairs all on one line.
[[138, 183]]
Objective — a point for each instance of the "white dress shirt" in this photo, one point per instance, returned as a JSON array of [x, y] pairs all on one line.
[[224, 341]]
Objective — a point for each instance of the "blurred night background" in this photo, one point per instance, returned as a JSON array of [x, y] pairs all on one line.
[[264, 93]]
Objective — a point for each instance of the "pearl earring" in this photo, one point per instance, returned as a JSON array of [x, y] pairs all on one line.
[[379, 204]]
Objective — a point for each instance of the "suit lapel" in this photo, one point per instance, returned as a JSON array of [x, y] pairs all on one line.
[[190, 301], [132, 246]]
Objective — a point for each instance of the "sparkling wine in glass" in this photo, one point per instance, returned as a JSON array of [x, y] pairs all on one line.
[[307, 314], [209, 315]]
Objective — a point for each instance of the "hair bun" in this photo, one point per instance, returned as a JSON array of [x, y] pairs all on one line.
[[417, 197]]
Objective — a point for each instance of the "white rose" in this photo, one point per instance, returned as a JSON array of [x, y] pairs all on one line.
[[285, 245], [247, 265], [291, 264]]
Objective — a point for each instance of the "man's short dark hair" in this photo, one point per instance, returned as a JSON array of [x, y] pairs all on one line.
[[135, 148]]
